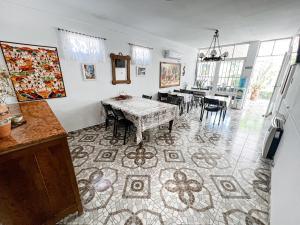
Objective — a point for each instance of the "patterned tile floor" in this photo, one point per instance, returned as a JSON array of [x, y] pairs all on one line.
[[200, 174]]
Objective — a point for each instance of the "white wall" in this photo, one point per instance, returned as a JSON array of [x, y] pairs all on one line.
[[25, 22], [285, 183]]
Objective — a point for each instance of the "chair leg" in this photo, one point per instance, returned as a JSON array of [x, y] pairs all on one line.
[[221, 112], [126, 127], [215, 117], [106, 123], [224, 114], [116, 129]]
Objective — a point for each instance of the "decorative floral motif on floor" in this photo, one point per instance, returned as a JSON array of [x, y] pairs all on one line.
[[209, 159], [127, 217], [80, 154], [109, 139], [260, 179], [183, 126], [183, 189], [253, 217], [197, 138], [212, 137], [96, 186], [168, 139], [73, 135], [140, 156]]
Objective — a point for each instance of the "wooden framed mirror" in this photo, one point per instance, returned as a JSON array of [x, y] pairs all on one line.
[[120, 65]]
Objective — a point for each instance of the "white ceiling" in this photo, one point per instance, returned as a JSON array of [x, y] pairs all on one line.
[[187, 21]]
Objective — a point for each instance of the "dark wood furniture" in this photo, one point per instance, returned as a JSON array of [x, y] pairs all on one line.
[[147, 96], [37, 179], [121, 121], [120, 65]]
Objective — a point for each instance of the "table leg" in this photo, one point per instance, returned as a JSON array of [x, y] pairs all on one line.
[[170, 125]]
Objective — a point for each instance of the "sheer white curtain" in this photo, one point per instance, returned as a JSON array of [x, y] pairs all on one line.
[[140, 55], [82, 48]]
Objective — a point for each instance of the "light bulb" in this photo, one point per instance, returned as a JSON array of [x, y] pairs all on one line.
[[225, 54], [213, 52], [201, 55]]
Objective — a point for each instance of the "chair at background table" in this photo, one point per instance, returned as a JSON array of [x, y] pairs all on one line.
[[176, 100], [186, 91], [162, 97], [109, 115], [197, 100], [147, 97], [121, 121], [211, 105]]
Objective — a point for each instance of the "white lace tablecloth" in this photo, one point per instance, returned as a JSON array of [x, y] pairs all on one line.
[[144, 113]]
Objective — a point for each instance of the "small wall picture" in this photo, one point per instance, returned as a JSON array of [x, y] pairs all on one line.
[[89, 72], [140, 71]]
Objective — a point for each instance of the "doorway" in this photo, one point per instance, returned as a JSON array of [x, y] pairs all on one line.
[[266, 70]]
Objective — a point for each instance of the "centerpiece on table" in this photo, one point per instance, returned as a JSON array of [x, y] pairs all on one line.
[[122, 96]]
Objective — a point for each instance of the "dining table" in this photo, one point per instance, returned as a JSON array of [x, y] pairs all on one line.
[[144, 113]]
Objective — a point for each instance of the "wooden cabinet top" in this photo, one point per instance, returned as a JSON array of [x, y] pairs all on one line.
[[41, 126]]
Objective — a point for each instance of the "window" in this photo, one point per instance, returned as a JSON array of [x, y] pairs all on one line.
[[82, 48], [236, 51], [227, 72], [230, 73], [206, 72], [141, 55], [274, 48], [294, 50], [241, 51]]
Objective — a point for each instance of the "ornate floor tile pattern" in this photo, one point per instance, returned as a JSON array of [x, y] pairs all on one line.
[[229, 187], [200, 174], [173, 156], [137, 186]]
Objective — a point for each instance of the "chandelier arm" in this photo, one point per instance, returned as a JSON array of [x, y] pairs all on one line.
[[208, 51], [219, 47]]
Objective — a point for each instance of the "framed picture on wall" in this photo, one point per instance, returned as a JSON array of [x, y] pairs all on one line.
[[140, 71], [34, 71], [88, 71], [169, 74]]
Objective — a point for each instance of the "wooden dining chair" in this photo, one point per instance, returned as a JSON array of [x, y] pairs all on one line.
[[109, 115], [211, 105], [162, 97], [147, 97], [176, 100], [121, 121]]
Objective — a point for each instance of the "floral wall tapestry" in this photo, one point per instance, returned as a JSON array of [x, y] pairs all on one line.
[[169, 74], [34, 71]]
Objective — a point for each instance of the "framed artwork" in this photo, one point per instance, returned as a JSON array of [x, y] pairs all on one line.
[[88, 71], [169, 74], [140, 71], [34, 71]]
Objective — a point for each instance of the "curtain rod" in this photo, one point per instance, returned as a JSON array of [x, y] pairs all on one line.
[[140, 46], [81, 33]]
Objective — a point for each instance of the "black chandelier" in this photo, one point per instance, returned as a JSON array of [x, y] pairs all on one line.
[[214, 51]]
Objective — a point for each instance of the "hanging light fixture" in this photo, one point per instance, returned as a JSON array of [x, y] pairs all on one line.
[[214, 51]]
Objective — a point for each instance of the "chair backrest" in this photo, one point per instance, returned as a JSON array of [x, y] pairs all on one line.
[[118, 114], [108, 109], [186, 91], [221, 95], [210, 101], [174, 99], [162, 96], [147, 96]]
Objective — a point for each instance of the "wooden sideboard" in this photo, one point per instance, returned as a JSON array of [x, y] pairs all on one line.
[[37, 179]]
